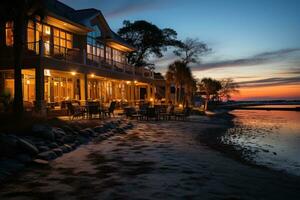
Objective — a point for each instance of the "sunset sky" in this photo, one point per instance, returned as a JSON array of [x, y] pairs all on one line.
[[255, 42]]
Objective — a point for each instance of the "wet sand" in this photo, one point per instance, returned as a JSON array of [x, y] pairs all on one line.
[[154, 160]]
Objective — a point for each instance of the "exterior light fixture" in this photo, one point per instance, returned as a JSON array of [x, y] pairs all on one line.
[[47, 30], [28, 82], [128, 82], [92, 75], [73, 73], [135, 82], [180, 106], [47, 72], [151, 99]]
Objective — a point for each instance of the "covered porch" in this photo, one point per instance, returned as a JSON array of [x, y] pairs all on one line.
[[55, 87]]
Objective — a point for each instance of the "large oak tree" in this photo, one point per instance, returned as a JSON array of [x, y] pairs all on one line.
[[148, 39]]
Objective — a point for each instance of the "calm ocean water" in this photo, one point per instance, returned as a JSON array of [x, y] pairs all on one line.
[[268, 138]]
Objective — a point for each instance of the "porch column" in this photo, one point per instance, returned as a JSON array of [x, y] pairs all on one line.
[[148, 92], [85, 86], [39, 90], [39, 84]]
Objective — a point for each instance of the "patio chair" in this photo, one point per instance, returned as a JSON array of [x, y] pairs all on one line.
[[75, 111], [151, 114], [93, 108], [183, 115], [130, 112], [168, 113], [110, 110]]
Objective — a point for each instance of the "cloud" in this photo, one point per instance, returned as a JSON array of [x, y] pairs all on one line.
[[291, 71], [276, 81], [133, 6], [262, 58]]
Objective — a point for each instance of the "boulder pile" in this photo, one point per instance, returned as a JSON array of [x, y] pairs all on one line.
[[46, 143]]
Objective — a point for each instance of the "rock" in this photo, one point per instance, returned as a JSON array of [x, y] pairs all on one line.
[[24, 158], [66, 148], [11, 165], [58, 151], [43, 148], [3, 175], [40, 162], [77, 142], [47, 155], [84, 133], [68, 139], [99, 129], [53, 145], [8, 145], [67, 129], [43, 131], [58, 132], [82, 140], [73, 146], [27, 147], [91, 132]]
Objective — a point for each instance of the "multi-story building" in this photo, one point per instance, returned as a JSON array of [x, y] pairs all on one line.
[[74, 55]]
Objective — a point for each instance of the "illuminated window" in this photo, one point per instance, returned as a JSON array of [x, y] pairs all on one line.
[[9, 34], [62, 40]]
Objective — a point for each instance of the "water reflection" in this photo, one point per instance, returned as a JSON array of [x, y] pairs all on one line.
[[269, 138]]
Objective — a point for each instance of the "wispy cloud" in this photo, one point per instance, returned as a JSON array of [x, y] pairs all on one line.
[[291, 71], [133, 6], [276, 81], [262, 58]]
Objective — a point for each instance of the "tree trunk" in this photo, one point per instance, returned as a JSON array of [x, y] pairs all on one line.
[[206, 102], [19, 33], [175, 99]]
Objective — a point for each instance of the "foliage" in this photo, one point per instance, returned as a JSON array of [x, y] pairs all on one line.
[[210, 87], [148, 39], [181, 76], [190, 50], [229, 87]]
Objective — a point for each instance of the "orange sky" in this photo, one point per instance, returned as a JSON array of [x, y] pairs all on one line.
[[271, 92]]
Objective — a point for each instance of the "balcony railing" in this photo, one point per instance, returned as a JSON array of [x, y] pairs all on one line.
[[81, 57]]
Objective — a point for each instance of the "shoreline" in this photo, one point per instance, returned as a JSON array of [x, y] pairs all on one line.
[[153, 160], [212, 138]]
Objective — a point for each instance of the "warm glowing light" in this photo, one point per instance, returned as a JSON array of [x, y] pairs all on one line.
[[92, 75], [180, 106], [55, 83], [61, 84], [128, 82], [65, 24], [151, 99], [47, 72], [135, 82], [28, 82], [47, 30], [73, 73]]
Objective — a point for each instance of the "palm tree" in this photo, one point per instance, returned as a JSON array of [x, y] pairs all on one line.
[[19, 12], [210, 87], [181, 76]]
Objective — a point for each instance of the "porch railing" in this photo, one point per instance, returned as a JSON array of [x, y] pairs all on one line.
[[75, 55]]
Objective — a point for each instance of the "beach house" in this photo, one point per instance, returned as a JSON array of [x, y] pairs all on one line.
[[74, 55]]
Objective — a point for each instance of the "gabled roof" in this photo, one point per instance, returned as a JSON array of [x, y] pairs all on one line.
[[84, 17]]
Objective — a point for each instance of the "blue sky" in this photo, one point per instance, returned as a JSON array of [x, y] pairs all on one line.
[[240, 33]]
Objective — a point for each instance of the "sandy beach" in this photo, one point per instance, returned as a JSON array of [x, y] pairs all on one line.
[[154, 160]]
